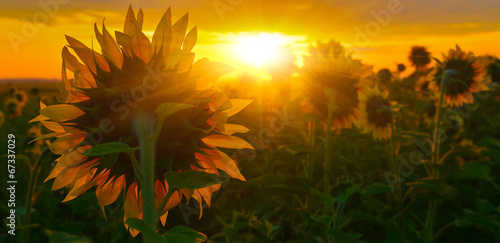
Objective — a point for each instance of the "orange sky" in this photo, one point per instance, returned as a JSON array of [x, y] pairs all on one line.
[[380, 32]]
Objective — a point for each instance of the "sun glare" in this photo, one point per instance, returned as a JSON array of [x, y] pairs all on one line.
[[256, 49]]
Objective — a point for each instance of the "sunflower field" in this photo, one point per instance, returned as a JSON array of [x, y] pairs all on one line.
[[141, 142]]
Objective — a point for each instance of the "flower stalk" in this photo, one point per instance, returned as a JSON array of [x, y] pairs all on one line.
[[147, 162], [29, 194], [328, 151], [431, 213]]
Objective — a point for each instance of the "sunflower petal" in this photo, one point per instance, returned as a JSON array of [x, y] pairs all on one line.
[[190, 40], [237, 106], [224, 141], [111, 49], [61, 112]]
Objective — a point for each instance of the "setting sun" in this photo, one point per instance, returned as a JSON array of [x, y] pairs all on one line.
[[256, 49]]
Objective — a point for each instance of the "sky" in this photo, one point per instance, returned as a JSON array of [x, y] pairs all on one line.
[[380, 32]]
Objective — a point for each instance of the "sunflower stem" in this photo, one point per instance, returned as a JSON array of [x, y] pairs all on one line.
[[328, 153], [147, 147], [29, 194], [431, 213], [136, 165], [395, 165]]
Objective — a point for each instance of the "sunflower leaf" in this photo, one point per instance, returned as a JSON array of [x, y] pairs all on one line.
[[147, 231], [192, 179], [164, 111], [183, 234], [108, 148]]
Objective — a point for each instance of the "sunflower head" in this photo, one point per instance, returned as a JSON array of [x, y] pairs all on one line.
[[376, 112], [384, 77], [401, 67], [13, 107], [419, 57], [136, 78], [467, 75], [337, 73]]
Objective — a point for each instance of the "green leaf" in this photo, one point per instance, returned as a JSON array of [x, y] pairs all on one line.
[[474, 171], [376, 188], [183, 234], [324, 197], [147, 231], [484, 206], [339, 235], [192, 179], [165, 110], [61, 237], [473, 218], [351, 190], [324, 219], [425, 187], [489, 142], [108, 148]]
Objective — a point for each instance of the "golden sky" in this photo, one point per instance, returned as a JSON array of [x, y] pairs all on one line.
[[243, 33]]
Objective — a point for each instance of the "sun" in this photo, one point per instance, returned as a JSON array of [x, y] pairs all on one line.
[[257, 49]]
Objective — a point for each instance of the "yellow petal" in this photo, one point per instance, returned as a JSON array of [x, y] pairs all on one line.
[[163, 218], [53, 126], [225, 163], [224, 141], [190, 40], [54, 173], [178, 32], [125, 42], [66, 143], [129, 26], [61, 112], [65, 178], [107, 195], [185, 63], [111, 49], [39, 118], [231, 129], [74, 157], [87, 55], [237, 106]]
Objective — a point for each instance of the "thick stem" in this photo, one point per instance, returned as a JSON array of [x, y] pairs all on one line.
[[431, 213], [395, 165], [29, 194], [328, 154], [147, 148]]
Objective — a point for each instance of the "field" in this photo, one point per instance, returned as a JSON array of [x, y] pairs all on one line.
[[140, 143]]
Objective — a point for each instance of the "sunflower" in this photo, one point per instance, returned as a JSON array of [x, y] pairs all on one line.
[[469, 76], [376, 113], [133, 78], [13, 107], [329, 70], [21, 96], [419, 57]]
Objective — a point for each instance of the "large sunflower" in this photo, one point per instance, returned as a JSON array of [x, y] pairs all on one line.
[[328, 69], [376, 113], [131, 79], [469, 76]]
